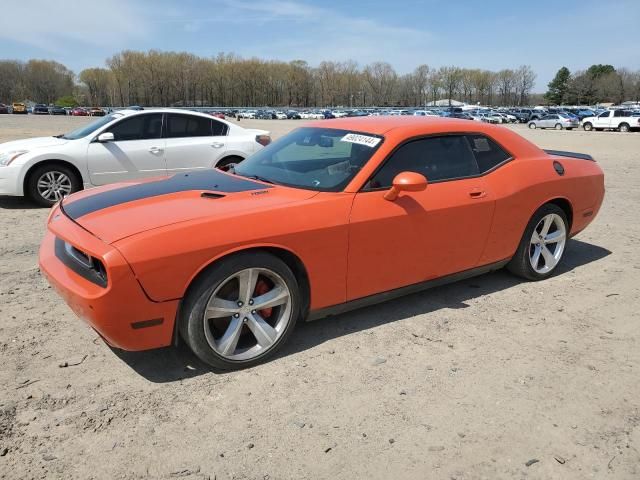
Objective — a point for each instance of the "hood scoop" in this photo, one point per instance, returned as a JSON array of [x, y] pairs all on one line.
[[211, 195]]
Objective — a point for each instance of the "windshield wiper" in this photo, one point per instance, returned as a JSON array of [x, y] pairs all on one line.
[[59, 136], [256, 177]]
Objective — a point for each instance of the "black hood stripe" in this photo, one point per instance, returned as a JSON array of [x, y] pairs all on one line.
[[207, 180]]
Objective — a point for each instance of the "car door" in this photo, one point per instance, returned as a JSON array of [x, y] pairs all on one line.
[[549, 121], [603, 120], [420, 235], [193, 142], [137, 150]]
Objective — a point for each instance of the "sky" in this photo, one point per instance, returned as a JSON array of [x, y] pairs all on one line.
[[487, 34]]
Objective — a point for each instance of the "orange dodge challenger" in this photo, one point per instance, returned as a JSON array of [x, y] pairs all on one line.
[[335, 215]]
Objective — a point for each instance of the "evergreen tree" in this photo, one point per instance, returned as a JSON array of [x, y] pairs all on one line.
[[558, 86]]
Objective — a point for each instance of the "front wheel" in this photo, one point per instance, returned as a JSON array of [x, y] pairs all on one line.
[[587, 127], [542, 245], [532, 126], [240, 311], [50, 183], [558, 126]]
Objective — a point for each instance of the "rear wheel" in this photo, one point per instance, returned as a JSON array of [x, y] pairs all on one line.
[[532, 125], [226, 162], [240, 311], [50, 183], [542, 245], [587, 127], [624, 127]]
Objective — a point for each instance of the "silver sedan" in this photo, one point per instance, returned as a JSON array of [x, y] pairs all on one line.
[[558, 121]]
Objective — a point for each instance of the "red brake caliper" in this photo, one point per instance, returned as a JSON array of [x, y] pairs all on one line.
[[261, 289]]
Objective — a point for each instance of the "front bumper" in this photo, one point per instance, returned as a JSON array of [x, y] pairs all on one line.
[[120, 312], [10, 180]]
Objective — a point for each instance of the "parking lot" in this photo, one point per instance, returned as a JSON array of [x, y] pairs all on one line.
[[488, 378]]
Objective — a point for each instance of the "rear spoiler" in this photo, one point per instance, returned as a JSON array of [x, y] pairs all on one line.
[[561, 153]]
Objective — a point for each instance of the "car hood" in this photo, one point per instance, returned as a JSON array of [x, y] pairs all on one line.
[[32, 143], [117, 211]]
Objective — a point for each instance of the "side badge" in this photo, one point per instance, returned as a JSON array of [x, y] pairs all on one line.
[[557, 166]]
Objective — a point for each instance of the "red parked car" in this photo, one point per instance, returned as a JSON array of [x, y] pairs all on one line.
[[79, 112]]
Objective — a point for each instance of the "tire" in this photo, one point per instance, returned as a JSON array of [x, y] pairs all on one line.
[[569, 128], [558, 126], [205, 334], [63, 179], [532, 126], [522, 262], [227, 161], [624, 127], [587, 127]]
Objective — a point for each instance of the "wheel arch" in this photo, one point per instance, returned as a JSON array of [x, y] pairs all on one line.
[[564, 204], [52, 161], [229, 155], [292, 260]]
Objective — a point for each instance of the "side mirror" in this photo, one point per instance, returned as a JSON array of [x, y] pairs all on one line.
[[105, 137], [406, 182]]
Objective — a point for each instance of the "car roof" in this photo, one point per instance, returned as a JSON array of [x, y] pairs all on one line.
[[126, 111], [379, 125], [401, 128]]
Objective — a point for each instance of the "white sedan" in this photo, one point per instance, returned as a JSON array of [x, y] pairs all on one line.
[[123, 145]]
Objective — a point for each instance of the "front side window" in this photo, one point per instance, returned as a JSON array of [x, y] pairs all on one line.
[[138, 127], [604, 115], [437, 158], [323, 159], [179, 125]]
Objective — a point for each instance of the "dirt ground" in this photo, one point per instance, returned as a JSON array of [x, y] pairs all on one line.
[[489, 378]]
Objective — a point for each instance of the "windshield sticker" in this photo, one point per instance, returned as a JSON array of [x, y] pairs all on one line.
[[360, 139]]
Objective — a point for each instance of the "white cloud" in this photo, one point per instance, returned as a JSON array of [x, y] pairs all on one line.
[[318, 34], [55, 26]]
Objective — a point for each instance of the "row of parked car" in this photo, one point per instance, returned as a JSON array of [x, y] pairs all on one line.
[[19, 108], [558, 118], [620, 120]]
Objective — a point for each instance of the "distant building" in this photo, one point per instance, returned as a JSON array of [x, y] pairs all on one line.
[[445, 102]]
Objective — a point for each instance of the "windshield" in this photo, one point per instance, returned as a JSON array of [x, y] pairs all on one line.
[[91, 127], [323, 159]]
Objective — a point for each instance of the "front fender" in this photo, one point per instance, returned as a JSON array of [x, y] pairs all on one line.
[[32, 160]]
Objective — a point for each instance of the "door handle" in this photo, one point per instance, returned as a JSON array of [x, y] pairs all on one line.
[[217, 144], [477, 193], [156, 150]]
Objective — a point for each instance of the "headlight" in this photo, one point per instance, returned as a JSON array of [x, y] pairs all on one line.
[[7, 157]]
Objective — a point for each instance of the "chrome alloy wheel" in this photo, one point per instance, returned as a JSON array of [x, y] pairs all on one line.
[[247, 313], [547, 243], [54, 185]]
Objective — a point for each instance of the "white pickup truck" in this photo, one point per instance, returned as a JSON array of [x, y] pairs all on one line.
[[620, 120]]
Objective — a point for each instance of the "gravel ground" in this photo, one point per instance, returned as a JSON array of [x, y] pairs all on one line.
[[487, 378]]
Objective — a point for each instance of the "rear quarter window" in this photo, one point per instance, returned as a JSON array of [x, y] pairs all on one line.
[[488, 153]]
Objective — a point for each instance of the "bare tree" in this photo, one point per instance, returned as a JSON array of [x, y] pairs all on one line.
[[451, 78], [381, 79]]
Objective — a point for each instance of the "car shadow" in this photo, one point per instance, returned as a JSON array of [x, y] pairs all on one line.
[[178, 363], [15, 203]]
